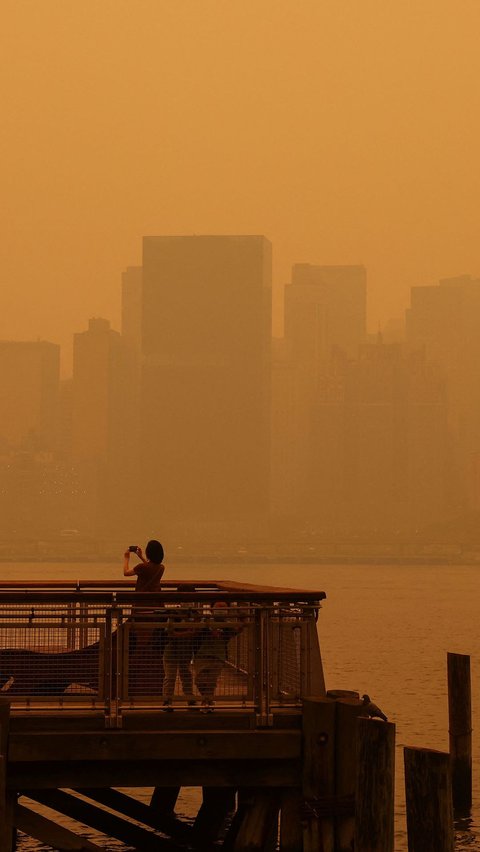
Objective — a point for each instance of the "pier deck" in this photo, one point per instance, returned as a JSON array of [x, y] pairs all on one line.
[[82, 674]]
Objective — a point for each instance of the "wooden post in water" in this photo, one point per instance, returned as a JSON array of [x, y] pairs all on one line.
[[318, 773], [374, 792], [460, 728], [429, 800]]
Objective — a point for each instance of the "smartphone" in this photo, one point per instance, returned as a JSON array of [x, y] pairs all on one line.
[[133, 548]]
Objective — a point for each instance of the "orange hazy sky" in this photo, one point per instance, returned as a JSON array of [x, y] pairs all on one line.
[[346, 131]]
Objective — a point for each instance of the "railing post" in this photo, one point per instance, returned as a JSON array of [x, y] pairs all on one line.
[[108, 668], [262, 667]]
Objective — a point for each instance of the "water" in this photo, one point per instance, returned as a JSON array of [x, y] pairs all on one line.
[[384, 630]]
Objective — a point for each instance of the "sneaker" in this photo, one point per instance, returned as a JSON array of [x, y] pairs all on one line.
[[210, 707], [192, 703], [167, 706], [204, 707]]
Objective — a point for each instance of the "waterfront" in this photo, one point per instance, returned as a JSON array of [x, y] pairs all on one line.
[[384, 630]]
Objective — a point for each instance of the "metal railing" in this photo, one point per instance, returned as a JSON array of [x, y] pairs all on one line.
[[103, 648]]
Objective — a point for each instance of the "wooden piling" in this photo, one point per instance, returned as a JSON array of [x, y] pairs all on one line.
[[429, 800], [374, 791], [348, 709], [318, 773], [460, 728]]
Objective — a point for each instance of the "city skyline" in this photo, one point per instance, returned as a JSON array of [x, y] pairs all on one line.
[[346, 133]]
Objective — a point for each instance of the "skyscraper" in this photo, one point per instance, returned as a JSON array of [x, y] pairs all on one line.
[[325, 307], [206, 336], [29, 386]]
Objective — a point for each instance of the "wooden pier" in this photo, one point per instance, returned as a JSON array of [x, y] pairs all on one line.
[[82, 714]]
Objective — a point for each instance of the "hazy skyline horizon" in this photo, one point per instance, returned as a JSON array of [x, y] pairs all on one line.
[[346, 134]]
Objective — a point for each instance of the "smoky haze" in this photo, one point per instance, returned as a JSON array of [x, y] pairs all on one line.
[[332, 148]]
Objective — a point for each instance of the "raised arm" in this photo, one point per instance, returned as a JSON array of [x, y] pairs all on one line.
[[128, 570]]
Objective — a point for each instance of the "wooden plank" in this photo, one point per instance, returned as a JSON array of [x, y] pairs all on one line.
[[101, 820], [259, 827], [167, 773], [460, 728], [133, 808], [374, 790], [291, 831], [318, 775], [50, 832], [164, 745], [428, 791]]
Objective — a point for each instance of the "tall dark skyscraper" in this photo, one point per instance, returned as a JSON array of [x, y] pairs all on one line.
[[205, 349]]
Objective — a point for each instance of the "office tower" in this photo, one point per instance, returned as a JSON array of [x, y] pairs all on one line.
[[445, 320], [98, 435], [380, 452], [325, 309], [29, 385], [206, 335]]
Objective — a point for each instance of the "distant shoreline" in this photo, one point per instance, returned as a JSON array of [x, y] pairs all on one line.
[[260, 559]]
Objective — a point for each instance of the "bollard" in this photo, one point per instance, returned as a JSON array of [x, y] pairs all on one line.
[[428, 792], [460, 728], [375, 785]]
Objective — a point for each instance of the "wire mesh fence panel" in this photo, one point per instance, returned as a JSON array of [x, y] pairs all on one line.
[[287, 639], [194, 653], [185, 654], [47, 652]]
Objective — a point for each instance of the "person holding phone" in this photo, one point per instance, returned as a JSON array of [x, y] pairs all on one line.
[[149, 571]]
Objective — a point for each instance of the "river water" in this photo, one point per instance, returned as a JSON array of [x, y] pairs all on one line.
[[384, 630]]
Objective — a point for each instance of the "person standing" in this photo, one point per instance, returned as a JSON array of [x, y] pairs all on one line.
[[149, 572]]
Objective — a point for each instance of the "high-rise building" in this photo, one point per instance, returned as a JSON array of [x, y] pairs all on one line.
[[206, 337], [325, 309], [98, 428], [380, 450], [29, 387], [444, 319]]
